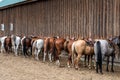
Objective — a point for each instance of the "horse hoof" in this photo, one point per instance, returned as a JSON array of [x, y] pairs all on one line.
[[76, 68], [68, 66]]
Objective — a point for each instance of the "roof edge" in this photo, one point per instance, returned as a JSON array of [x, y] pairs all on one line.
[[17, 4]]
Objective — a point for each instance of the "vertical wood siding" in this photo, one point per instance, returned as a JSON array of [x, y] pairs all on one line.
[[64, 17]]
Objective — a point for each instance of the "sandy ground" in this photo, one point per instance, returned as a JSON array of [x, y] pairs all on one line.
[[20, 68]]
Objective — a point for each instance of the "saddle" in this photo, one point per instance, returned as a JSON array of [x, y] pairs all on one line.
[[89, 43]]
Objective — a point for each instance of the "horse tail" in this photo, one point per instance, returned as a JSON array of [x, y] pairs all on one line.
[[65, 45], [24, 46], [54, 49], [5, 46], [99, 54], [73, 52], [33, 46], [47, 44]]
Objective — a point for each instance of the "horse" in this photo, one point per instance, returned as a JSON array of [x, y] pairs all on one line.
[[37, 47], [2, 39], [102, 49], [8, 44], [68, 48], [79, 48], [49, 45], [26, 45], [59, 46], [15, 43]]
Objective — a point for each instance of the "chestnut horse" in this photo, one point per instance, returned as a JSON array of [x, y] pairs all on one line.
[[49, 46], [79, 48], [8, 44], [68, 49], [59, 46]]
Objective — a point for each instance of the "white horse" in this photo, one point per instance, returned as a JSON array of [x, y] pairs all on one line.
[[2, 39], [15, 43], [37, 47], [102, 49]]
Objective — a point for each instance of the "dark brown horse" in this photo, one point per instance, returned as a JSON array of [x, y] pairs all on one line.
[[8, 44], [26, 46]]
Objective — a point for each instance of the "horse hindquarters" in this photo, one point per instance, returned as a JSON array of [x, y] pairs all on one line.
[[38, 48]]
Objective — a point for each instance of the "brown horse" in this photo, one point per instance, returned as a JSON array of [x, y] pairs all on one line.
[[79, 48], [26, 46], [49, 45], [59, 46], [68, 49], [8, 44]]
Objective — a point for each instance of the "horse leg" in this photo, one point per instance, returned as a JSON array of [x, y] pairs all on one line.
[[85, 60], [107, 64], [94, 62], [76, 62], [16, 50], [2, 48], [57, 58], [96, 67], [69, 60], [30, 51], [50, 57], [25, 51], [113, 56], [37, 55], [90, 65], [45, 53]]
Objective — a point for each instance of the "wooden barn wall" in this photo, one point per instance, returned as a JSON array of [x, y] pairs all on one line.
[[64, 17]]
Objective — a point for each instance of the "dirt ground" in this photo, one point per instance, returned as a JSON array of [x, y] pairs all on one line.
[[20, 68]]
